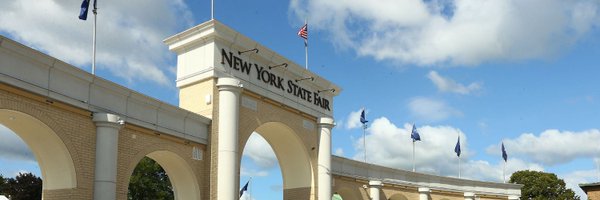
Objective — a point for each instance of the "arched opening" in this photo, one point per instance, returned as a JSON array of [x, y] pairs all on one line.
[[398, 197], [348, 194], [180, 174], [149, 181], [293, 159], [259, 167], [54, 160]]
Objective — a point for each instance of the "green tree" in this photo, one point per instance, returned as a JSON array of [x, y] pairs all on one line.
[[149, 181], [2, 184], [25, 186], [541, 185]]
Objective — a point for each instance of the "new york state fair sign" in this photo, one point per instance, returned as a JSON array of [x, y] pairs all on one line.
[[263, 74]]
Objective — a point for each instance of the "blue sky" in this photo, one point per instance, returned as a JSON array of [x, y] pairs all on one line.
[[520, 71]]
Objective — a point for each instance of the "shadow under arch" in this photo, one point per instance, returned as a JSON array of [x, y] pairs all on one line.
[[180, 174], [51, 153], [349, 194], [292, 155], [398, 197]]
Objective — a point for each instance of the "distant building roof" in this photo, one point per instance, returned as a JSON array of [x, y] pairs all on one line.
[[586, 186]]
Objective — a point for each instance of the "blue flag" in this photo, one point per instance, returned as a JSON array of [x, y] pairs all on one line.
[[363, 119], [504, 155], [457, 147], [85, 5], [244, 189], [414, 134]]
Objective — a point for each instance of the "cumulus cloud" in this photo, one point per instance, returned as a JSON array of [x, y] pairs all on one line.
[[431, 110], [339, 152], [389, 145], [445, 84], [553, 147], [354, 119], [252, 172], [260, 152], [13, 148], [466, 32], [129, 34], [573, 179]]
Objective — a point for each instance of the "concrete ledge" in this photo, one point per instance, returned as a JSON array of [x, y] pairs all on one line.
[[33, 71]]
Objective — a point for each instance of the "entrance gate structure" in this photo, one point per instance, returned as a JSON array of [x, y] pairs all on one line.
[[246, 87], [88, 134]]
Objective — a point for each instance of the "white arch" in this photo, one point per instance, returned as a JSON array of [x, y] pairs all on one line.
[[291, 153], [53, 157], [180, 174]]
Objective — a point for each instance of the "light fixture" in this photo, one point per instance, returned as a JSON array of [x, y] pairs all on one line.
[[249, 50], [305, 78], [327, 90], [280, 65]]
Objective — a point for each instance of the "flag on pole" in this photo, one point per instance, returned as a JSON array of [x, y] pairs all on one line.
[[244, 189], [457, 147], [85, 5], [504, 155], [303, 32], [363, 119], [414, 134]]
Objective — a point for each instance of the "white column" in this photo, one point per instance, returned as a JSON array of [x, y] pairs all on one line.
[[469, 196], [374, 189], [107, 140], [513, 197], [424, 193], [324, 160], [227, 163]]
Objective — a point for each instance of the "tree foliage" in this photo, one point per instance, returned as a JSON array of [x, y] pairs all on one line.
[[149, 181], [541, 186], [24, 186]]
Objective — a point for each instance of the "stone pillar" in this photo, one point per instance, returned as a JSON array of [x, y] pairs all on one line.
[[107, 141], [424, 193], [324, 161], [227, 161], [469, 196], [375, 189], [512, 197]]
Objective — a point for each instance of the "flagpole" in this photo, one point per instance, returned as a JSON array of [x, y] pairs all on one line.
[[94, 40], [365, 141], [459, 166], [413, 158], [212, 9], [504, 172], [306, 46]]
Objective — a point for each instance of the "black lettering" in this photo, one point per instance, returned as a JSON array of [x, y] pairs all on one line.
[[258, 71], [290, 86], [246, 67], [224, 57], [308, 96], [280, 83], [325, 104], [264, 74], [236, 63]]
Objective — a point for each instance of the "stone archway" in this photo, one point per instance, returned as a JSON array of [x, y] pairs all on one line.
[[293, 158], [52, 155], [398, 197], [181, 175]]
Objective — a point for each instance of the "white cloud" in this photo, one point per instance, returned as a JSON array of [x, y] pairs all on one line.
[[354, 119], [389, 145], [130, 33], [445, 84], [339, 152], [431, 110], [260, 152], [12, 147], [465, 32], [252, 172], [552, 147]]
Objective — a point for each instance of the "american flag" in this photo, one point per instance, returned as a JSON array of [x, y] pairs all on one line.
[[303, 32]]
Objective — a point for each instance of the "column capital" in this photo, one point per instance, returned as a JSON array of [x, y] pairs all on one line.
[[424, 190], [469, 195], [107, 120], [229, 84], [326, 122], [375, 183]]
